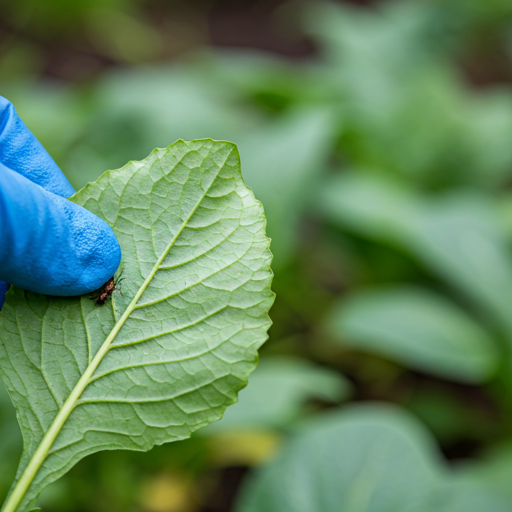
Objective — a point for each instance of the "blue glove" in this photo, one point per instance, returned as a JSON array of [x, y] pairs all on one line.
[[48, 244]]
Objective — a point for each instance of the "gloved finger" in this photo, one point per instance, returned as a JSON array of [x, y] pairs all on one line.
[[20, 151], [49, 244]]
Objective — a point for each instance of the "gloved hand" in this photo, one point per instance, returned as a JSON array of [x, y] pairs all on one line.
[[48, 244]]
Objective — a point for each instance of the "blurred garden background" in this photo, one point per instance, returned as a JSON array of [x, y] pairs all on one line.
[[378, 136]]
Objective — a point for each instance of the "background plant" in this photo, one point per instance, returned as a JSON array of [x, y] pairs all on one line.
[[378, 139]]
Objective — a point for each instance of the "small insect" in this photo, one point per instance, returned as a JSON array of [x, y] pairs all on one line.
[[107, 289]]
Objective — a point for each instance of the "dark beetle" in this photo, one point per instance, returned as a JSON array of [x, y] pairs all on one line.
[[106, 290]]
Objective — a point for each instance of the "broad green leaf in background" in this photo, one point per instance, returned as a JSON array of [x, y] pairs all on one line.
[[467, 496], [417, 328], [169, 354], [459, 236], [374, 206], [491, 469], [372, 457], [278, 392], [354, 36]]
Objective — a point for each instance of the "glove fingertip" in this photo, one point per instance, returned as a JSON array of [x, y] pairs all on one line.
[[50, 245], [97, 253], [102, 263]]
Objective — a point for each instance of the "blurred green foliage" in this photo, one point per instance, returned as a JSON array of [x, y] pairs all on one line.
[[384, 461], [384, 163]]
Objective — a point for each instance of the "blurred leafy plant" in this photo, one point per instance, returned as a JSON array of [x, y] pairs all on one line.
[[369, 457]]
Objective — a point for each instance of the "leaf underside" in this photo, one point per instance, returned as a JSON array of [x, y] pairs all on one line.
[[168, 354]]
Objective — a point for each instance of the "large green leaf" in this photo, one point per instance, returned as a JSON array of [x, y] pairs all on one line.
[[418, 328], [169, 354], [492, 469], [458, 236], [371, 458], [367, 458], [468, 496]]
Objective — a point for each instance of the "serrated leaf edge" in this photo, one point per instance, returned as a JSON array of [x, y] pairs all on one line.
[[15, 498]]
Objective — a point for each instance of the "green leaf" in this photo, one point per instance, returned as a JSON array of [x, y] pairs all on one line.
[[418, 328], [370, 458], [458, 236], [373, 206], [168, 354], [468, 496], [492, 470], [278, 392], [10, 441]]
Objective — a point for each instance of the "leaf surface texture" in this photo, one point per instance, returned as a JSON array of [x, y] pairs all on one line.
[[173, 347]]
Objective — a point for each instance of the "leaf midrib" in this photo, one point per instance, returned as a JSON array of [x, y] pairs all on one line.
[[49, 438]]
